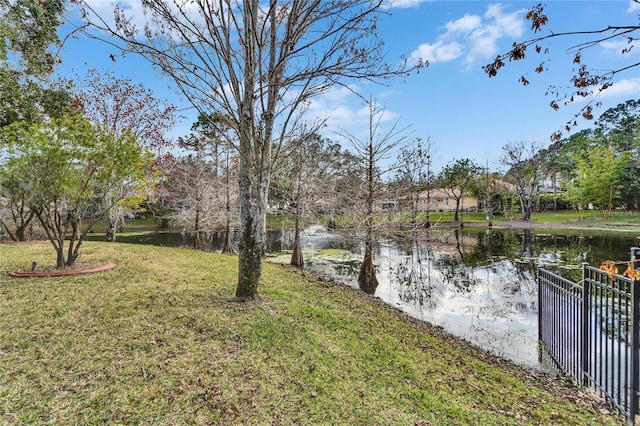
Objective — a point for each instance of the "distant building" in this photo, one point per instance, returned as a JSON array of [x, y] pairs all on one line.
[[439, 200]]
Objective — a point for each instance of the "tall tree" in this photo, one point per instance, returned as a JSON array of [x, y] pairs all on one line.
[[598, 179], [524, 172], [258, 63], [67, 165], [193, 181], [487, 186], [29, 37], [412, 171], [200, 191], [27, 59], [620, 129], [455, 179], [372, 151], [215, 128], [621, 125], [587, 81], [121, 106], [303, 178]]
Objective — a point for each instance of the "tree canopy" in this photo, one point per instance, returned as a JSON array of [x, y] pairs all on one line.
[[64, 167], [27, 59]]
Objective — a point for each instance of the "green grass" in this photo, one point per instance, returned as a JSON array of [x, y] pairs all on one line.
[[158, 340], [589, 216]]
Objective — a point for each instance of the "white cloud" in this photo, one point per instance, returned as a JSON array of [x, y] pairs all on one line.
[[628, 87], [466, 24], [402, 4], [437, 52], [136, 13], [473, 37], [618, 46], [510, 24], [132, 8], [342, 109], [634, 6]]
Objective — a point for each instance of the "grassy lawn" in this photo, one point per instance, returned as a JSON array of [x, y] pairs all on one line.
[[158, 341], [589, 216]]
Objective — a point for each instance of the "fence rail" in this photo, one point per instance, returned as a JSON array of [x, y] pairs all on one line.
[[591, 330]]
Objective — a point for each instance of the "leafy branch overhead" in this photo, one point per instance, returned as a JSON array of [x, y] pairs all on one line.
[[587, 82]]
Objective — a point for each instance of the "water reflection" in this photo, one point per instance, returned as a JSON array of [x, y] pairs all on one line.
[[478, 284]]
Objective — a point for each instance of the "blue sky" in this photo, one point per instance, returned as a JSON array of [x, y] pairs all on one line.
[[452, 102]]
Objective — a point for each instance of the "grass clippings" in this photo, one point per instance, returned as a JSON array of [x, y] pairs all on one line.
[[158, 340]]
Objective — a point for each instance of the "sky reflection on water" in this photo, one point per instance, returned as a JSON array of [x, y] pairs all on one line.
[[479, 285]]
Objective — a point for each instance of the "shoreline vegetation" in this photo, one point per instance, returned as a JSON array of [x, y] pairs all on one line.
[[158, 340], [567, 219]]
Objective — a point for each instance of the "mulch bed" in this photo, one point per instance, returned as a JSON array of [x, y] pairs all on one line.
[[76, 269]]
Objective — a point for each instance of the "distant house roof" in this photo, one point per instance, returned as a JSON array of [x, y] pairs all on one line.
[[441, 193]]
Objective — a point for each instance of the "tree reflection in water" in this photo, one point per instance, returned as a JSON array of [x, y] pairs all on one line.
[[480, 284], [411, 277]]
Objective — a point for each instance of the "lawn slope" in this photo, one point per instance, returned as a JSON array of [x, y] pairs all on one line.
[[157, 340]]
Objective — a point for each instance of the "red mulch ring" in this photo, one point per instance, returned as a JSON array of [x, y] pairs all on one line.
[[20, 242], [76, 270]]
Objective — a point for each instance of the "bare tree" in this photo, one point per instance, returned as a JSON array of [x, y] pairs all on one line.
[[199, 186], [118, 105], [214, 127], [524, 172], [258, 63], [413, 166], [378, 145], [303, 179], [586, 81], [193, 183], [17, 208]]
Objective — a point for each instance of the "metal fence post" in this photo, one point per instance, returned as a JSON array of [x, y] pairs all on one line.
[[586, 298], [540, 310], [635, 351], [635, 255]]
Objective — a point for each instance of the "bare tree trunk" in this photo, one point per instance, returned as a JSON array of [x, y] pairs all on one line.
[[112, 225], [367, 278], [253, 173], [196, 238], [75, 243], [555, 192], [251, 252], [115, 214], [296, 256], [20, 233], [111, 230], [226, 247], [251, 246], [59, 257], [4, 225]]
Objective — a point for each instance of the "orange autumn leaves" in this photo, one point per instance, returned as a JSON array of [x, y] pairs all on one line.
[[611, 268]]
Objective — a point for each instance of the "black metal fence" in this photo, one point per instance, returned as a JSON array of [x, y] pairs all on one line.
[[591, 330]]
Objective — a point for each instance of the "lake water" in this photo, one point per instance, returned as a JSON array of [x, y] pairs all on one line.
[[478, 284]]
